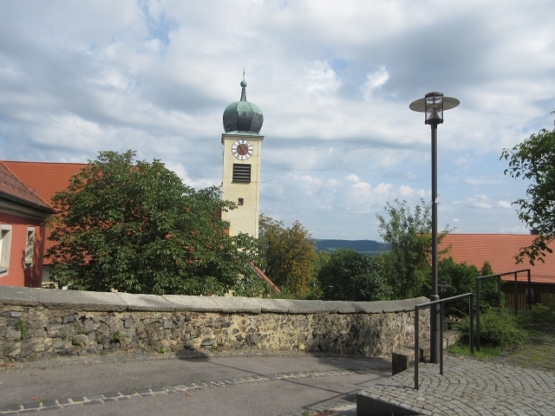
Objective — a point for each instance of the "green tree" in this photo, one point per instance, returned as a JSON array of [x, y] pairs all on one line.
[[135, 227], [349, 275], [534, 160], [461, 278], [287, 255], [407, 265]]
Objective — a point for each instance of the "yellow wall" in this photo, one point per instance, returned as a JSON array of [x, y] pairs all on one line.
[[244, 218]]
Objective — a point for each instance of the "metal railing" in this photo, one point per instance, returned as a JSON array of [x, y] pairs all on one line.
[[498, 276], [417, 330]]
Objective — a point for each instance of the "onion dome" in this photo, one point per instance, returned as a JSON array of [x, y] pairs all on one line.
[[243, 117]]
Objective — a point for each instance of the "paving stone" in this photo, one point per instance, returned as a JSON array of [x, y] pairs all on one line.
[[465, 389]]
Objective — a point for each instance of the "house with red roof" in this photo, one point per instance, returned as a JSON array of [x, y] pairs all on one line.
[[500, 250], [23, 214], [45, 179]]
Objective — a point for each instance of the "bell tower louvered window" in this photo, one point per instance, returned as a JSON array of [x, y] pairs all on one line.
[[241, 173]]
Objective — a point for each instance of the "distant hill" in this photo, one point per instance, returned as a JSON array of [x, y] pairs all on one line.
[[368, 247]]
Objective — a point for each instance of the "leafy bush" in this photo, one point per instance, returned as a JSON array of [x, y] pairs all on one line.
[[535, 317], [549, 301], [497, 329]]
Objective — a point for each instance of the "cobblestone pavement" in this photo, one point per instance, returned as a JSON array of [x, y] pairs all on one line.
[[471, 387]]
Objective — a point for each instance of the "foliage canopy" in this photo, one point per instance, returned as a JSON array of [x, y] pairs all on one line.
[[349, 275], [133, 226], [407, 265], [461, 278], [287, 255], [534, 160]]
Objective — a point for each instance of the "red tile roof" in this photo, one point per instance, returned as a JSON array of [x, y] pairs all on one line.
[[500, 250], [44, 177], [263, 276], [12, 187]]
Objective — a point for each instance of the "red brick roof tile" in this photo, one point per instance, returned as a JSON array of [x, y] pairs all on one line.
[[500, 250], [13, 187], [45, 177]]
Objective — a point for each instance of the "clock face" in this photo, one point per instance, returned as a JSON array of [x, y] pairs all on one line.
[[242, 149]]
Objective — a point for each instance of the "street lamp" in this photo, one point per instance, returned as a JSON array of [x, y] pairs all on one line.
[[433, 105]]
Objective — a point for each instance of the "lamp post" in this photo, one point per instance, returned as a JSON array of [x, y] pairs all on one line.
[[433, 105]]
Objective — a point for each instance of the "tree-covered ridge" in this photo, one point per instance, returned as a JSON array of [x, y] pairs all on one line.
[[368, 247]]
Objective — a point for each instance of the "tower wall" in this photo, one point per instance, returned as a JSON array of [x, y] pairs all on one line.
[[244, 218]]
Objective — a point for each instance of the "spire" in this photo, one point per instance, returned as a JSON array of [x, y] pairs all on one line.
[[242, 116], [243, 85]]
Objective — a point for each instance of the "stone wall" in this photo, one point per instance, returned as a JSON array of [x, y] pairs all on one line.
[[44, 324]]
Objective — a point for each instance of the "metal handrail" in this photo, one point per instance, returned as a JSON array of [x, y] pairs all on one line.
[[498, 276], [416, 327]]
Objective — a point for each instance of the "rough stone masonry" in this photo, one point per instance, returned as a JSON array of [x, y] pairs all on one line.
[[45, 324]]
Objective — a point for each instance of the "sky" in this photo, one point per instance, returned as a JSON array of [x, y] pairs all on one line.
[[334, 81]]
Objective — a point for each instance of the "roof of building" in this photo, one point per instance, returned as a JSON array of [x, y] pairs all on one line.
[[263, 276], [242, 116], [500, 250], [45, 178], [15, 189]]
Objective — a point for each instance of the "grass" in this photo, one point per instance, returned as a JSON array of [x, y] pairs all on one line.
[[486, 352]]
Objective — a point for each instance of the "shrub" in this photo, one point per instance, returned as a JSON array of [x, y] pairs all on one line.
[[549, 301], [497, 329], [539, 314]]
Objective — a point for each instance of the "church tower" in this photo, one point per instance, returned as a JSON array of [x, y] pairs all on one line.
[[242, 147]]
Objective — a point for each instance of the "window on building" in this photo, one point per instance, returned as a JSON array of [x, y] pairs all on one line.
[[241, 173], [5, 247], [240, 201], [30, 247]]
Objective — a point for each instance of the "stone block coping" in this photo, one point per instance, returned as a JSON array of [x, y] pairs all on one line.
[[119, 302]]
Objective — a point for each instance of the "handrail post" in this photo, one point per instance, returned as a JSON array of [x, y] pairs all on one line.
[[416, 346], [499, 291], [471, 318], [478, 314], [529, 291], [516, 294], [441, 339]]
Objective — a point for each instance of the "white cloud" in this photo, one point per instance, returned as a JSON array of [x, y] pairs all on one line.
[[334, 84], [375, 80], [319, 78]]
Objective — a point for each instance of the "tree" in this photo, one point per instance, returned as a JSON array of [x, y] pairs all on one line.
[[287, 255], [534, 160], [407, 265], [461, 278], [133, 226], [349, 275]]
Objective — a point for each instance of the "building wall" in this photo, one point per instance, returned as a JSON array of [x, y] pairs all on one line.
[[539, 292], [245, 217], [19, 274], [45, 324]]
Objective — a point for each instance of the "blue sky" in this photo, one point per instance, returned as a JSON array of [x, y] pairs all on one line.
[[334, 81]]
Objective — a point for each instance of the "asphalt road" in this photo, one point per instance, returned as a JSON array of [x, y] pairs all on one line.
[[167, 385]]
